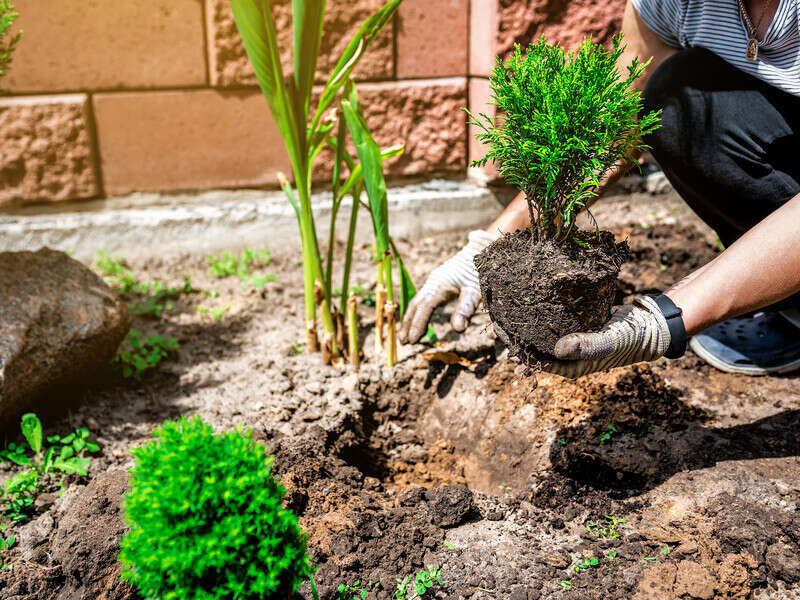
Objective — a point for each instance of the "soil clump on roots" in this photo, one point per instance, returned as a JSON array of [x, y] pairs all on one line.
[[539, 291]]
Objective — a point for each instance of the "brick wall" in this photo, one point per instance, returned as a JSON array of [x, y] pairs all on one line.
[[112, 97]]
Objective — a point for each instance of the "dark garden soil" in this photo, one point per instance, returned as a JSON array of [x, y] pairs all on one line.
[[453, 459], [539, 292]]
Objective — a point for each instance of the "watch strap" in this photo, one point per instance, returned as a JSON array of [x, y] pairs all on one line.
[[677, 330]]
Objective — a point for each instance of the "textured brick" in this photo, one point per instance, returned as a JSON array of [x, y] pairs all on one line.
[[229, 64], [187, 140], [484, 15], [479, 102], [420, 51], [99, 44], [45, 149], [425, 115], [523, 21]]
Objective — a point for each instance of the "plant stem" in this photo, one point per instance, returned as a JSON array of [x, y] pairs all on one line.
[[348, 254], [352, 330], [389, 310], [380, 302]]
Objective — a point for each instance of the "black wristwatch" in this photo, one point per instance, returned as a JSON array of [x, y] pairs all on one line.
[[677, 330]]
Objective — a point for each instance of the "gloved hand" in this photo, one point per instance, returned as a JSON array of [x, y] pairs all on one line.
[[456, 277], [636, 332]]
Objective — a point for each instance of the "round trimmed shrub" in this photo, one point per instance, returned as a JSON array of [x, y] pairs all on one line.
[[206, 519]]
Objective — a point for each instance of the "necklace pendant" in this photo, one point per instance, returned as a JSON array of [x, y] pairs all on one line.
[[752, 49]]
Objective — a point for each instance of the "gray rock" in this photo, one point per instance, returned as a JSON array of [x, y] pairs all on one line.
[[450, 506], [59, 323]]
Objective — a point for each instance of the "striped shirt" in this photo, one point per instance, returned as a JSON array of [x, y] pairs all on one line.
[[718, 25]]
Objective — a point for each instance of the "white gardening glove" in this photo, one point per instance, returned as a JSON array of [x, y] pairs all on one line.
[[456, 277], [635, 332]]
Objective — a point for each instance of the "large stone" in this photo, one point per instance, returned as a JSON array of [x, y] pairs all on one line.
[[420, 52], [45, 149], [228, 61], [425, 115], [450, 505], [59, 323], [524, 21], [185, 140], [97, 44]]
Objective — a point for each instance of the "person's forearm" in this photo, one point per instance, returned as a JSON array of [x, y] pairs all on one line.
[[761, 268]]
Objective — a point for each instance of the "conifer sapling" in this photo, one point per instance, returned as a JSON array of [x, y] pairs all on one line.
[[565, 120]]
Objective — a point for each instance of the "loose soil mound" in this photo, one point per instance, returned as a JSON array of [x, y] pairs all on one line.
[[516, 474], [538, 292]]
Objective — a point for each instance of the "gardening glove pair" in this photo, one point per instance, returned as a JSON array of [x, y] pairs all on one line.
[[636, 332], [456, 277]]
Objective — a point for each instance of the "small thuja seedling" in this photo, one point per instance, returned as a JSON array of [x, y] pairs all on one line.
[[206, 520], [564, 121], [138, 355]]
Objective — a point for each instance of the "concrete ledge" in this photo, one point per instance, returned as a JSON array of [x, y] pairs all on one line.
[[144, 225]]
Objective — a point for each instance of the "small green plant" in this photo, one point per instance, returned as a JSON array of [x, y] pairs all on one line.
[[649, 559], [579, 565], [612, 554], [410, 588], [154, 298], [564, 121], [665, 550], [606, 437], [206, 520], [216, 313], [138, 355], [355, 591], [449, 545], [567, 585], [7, 44], [66, 455], [242, 266], [5, 545], [606, 529]]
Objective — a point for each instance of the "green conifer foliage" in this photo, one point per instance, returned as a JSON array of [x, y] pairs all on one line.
[[206, 519], [564, 120]]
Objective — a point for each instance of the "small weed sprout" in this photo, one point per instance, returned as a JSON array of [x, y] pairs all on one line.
[[243, 266], [137, 354], [410, 588], [66, 455], [565, 120], [215, 313], [567, 585], [586, 564], [5, 545], [606, 437], [355, 591], [206, 519], [607, 529]]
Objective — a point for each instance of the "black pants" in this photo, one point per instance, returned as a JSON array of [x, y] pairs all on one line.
[[728, 142]]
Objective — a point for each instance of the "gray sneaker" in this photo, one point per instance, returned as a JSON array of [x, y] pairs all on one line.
[[760, 343]]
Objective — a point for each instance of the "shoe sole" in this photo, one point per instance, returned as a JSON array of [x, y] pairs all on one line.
[[752, 371]]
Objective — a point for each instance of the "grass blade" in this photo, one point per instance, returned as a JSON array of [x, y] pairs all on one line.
[[352, 54], [308, 17]]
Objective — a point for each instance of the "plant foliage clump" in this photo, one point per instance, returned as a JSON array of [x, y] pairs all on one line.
[[564, 120], [7, 18], [206, 520]]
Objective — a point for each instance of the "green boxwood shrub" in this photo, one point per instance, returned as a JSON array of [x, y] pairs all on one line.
[[206, 519]]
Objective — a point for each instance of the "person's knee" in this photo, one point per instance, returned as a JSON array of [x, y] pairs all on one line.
[[672, 89]]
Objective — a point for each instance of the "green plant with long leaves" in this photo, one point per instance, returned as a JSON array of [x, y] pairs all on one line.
[[564, 121], [8, 42], [306, 133]]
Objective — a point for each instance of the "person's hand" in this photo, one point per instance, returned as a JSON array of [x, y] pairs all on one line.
[[636, 332], [456, 277]]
